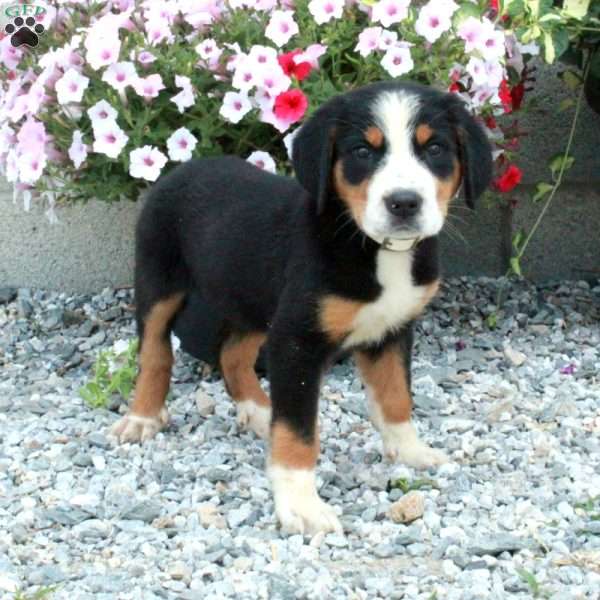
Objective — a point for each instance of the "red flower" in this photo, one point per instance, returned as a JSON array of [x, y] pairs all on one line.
[[454, 87], [491, 122], [300, 71], [509, 179], [291, 105], [494, 5], [516, 95], [505, 96]]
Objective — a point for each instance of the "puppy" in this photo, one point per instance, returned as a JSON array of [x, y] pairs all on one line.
[[342, 260]]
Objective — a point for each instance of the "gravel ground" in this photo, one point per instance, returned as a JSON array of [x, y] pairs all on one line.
[[189, 515]]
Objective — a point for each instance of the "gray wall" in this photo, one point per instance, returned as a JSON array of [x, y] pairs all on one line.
[[92, 246]]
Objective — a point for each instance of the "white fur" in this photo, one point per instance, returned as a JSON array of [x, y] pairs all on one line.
[[400, 440], [399, 301], [297, 504], [256, 417], [135, 428], [400, 170]]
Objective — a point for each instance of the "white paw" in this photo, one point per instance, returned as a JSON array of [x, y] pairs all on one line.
[[133, 428], [401, 444], [255, 417], [297, 504]]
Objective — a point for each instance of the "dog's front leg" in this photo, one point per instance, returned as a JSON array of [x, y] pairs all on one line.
[[385, 370], [295, 367]]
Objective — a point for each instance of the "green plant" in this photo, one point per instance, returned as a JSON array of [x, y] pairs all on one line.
[[417, 484], [114, 371], [529, 578], [41, 594]]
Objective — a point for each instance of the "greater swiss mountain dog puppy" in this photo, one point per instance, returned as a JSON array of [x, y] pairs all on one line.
[[343, 259]]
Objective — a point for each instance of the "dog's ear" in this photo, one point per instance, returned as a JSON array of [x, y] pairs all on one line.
[[475, 154], [312, 152]]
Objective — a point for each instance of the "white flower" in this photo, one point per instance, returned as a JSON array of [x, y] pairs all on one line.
[[146, 163], [485, 73], [102, 112], [244, 77], [109, 139], [368, 40], [435, 18], [397, 61], [150, 86], [274, 80], [235, 106], [181, 144], [388, 39], [388, 12], [262, 160], [31, 167], [281, 27], [78, 151], [325, 10], [70, 87], [262, 56], [208, 49], [120, 75], [185, 98], [102, 45]]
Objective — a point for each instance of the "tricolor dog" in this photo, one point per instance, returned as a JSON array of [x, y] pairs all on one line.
[[341, 259]]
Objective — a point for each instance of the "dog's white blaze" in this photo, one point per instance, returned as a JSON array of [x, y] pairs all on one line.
[[400, 169], [400, 300], [297, 503]]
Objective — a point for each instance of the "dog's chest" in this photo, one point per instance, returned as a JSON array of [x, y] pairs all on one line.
[[399, 302]]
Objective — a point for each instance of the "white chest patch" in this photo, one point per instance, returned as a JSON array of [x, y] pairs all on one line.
[[399, 302]]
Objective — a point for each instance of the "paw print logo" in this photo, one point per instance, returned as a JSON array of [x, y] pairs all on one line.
[[24, 32]]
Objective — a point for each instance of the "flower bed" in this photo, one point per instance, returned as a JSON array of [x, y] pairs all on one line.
[[118, 92]]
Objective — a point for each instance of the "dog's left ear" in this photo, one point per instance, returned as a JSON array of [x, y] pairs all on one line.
[[312, 152], [475, 154]]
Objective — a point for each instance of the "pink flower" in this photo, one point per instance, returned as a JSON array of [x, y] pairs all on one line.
[[262, 56], [101, 113], [185, 98], [31, 167], [146, 58], [485, 73], [435, 18], [262, 160], [325, 10], [267, 115], [274, 80], [388, 39], [9, 55], [181, 144], [120, 75], [311, 55], [109, 139], [103, 47], [368, 40], [290, 106], [149, 86], [158, 31], [397, 61], [388, 12], [208, 49], [8, 138], [31, 137], [482, 36], [146, 163], [281, 27], [235, 106], [78, 151], [70, 87]]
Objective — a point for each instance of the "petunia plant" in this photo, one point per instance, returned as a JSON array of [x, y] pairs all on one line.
[[117, 92]]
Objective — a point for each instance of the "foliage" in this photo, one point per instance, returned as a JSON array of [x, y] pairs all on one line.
[[115, 372]]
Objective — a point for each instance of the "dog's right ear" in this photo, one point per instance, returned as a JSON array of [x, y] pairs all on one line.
[[312, 152]]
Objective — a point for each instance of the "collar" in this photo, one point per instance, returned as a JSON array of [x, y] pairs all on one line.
[[397, 244]]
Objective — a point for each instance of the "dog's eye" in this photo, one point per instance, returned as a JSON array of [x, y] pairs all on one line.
[[362, 152], [434, 149]]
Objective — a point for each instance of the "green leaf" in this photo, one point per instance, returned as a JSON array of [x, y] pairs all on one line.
[[515, 265], [566, 104], [556, 163], [517, 239], [513, 8], [560, 37], [576, 8], [492, 320], [541, 189], [571, 79], [549, 50]]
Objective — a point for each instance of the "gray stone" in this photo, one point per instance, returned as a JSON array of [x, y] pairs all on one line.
[[98, 440], [498, 543], [146, 511], [46, 575], [81, 459], [7, 295], [67, 516]]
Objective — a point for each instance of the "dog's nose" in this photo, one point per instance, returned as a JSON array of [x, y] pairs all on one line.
[[403, 204]]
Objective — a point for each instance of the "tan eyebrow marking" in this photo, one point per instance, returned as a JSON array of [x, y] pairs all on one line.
[[374, 136], [423, 134]]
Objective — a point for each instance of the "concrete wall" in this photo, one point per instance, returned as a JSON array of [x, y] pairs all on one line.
[[92, 246]]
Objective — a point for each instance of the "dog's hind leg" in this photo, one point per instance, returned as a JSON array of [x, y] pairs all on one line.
[[237, 359]]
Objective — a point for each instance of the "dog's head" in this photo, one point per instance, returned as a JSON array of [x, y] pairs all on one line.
[[395, 154]]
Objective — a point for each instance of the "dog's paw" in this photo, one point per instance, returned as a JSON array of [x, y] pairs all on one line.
[[255, 417], [401, 444], [133, 428], [297, 504]]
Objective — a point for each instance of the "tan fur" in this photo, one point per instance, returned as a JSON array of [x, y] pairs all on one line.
[[447, 188], [374, 136], [290, 450], [431, 290], [237, 359], [354, 196], [386, 376], [336, 316], [155, 359], [423, 134]]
